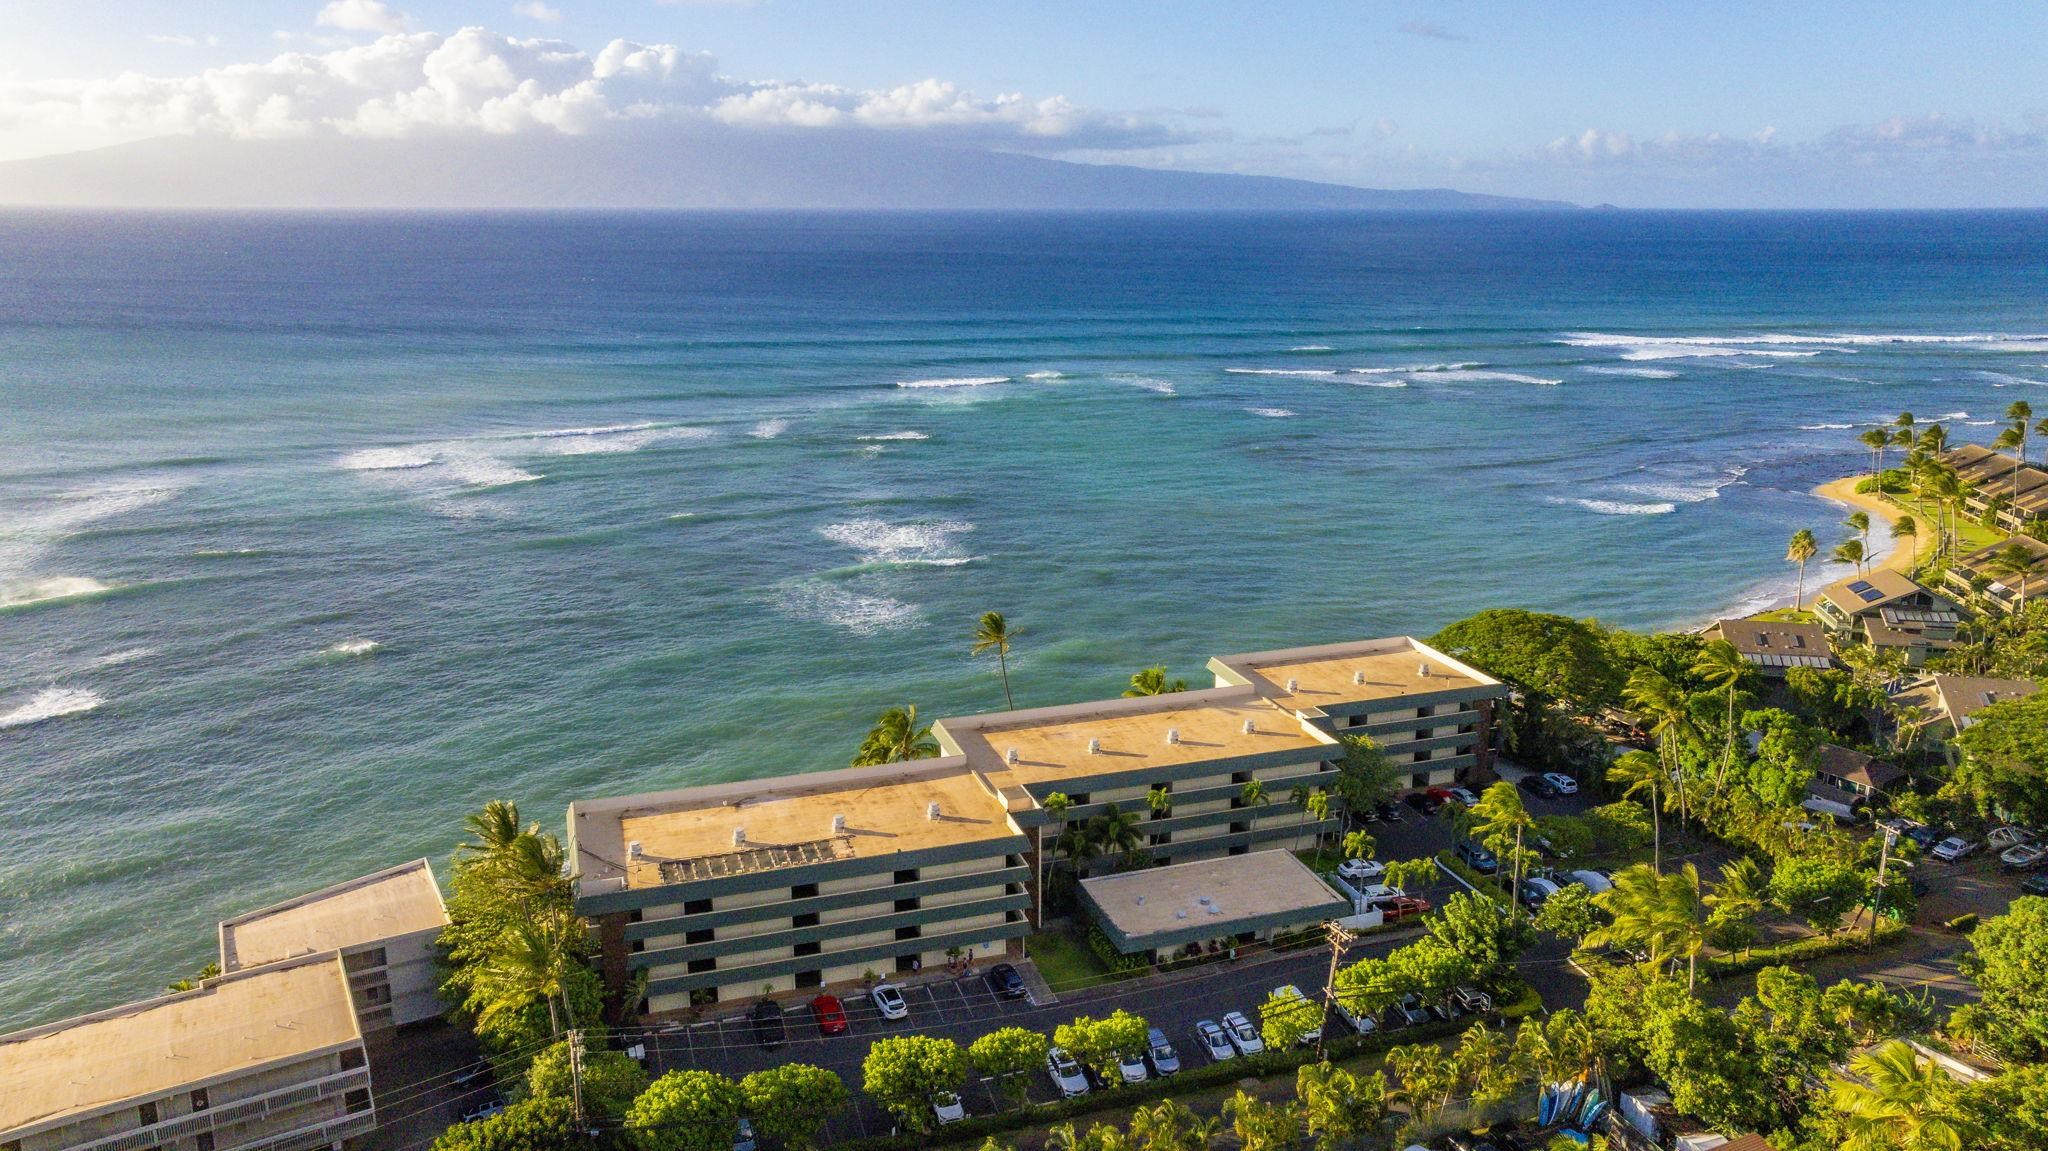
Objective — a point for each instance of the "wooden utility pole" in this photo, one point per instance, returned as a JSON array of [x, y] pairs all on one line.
[[1884, 859], [1340, 937], [576, 1073]]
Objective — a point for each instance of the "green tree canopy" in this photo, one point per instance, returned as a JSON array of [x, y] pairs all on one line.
[[2008, 960], [2009, 1111], [1550, 655], [895, 738], [1820, 891], [538, 1124], [1482, 933], [1571, 913], [611, 1079], [903, 1072], [1339, 1106], [2005, 760], [792, 1102], [1262, 1126], [1286, 1021], [1008, 1055], [1100, 1042], [686, 1111], [1698, 1052]]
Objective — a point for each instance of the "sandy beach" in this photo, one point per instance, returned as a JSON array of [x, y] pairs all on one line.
[[1904, 551]]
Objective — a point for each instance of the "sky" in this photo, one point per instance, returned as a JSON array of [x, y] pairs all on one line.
[[1641, 104]]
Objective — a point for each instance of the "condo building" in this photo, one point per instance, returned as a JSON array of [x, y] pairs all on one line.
[[269, 1059], [726, 892], [384, 927]]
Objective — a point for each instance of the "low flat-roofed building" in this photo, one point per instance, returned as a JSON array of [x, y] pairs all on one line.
[[801, 882], [1971, 575], [384, 925], [1197, 749], [1227, 900], [1948, 703], [269, 1059], [1773, 646], [2019, 489], [1888, 609], [1432, 714]]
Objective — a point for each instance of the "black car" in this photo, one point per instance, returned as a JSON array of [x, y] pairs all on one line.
[[1005, 982], [768, 1029], [2036, 884], [1478, 858], [1923, 836], [1537, 785], [1423, 802], [1391, 812]]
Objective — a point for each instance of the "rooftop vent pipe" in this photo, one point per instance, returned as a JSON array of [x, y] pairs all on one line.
[[1010, 756], [1293, 685], [739, 837], [931, 810], [1250, 727], [1173, 735], [1422, 671], [1358, 677], [633, 850], [1094, 747], [839, 825]]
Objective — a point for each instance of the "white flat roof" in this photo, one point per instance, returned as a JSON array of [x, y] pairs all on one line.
[[391, 903]]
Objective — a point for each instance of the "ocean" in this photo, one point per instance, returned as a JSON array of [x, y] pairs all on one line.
[[317, 532]]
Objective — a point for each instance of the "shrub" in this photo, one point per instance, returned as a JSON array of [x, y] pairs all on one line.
[[1115, 960], [1962, 924]]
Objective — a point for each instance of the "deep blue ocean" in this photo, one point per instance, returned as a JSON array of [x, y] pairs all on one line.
[[317, 532]]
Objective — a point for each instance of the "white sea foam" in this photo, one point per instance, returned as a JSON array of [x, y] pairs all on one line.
[[51, 703], [385, 459], [1281, 371], [1043, 376], [128, 655], [1470, 377], [1637, 373], [1378, 382], [604, 441], [1415, 369], [28, 531], [1149, 383], [893, 436], [1685, 491], [479, 470], [1978, 423], [1621, 508], [52, 589], [1824, 427], [954, 382], [1311, 348], [2003, 380], [354, 647], [857, 612], [1995, 341], [926, 544], [1951, 416], [1272, 413], [769, 429]]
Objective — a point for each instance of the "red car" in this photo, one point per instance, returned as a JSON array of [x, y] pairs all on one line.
[[1403, 906], [830, 1014], [1439, 795]]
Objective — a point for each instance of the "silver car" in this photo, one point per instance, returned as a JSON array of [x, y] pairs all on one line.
[[1243, 1035], [1066, 1074], [1165, 1061], [1214, 1041]]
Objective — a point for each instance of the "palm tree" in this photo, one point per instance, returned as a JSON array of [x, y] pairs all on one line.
[[896, 737], [993, 634], [2041, 427], [1659, 700], [1877, 441], [1298, 796], [1055, 806], [1850, 552], [2019, 412], [1742, 893], [1252, 795], [533, 960], [1948, 490], [1116, 830], [1318, 807], [1498, 815], [1160, 800], [1720, 665], [1636, 772], [1659, 913], [1153, 681], [1077, 841], [491, 830], [1359, 845], [1904, 528], [1898, 1103], [2013, 562], [1859, 521], [1802, 548]]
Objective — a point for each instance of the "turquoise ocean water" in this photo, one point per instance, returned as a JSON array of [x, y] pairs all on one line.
[[317, 532]]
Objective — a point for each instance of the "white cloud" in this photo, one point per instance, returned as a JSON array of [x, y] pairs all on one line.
[[362, 16], [535, 10], [186, 41], [404, 83]]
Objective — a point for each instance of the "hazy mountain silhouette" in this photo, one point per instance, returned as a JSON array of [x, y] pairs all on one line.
[[665, 169]]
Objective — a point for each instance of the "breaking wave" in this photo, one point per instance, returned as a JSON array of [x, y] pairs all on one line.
[[954, 382], [1281, 371], [857, 612], [893, 436], [769, 429], [1620, 507], [1272, 413], [51, 703], [929, 544]]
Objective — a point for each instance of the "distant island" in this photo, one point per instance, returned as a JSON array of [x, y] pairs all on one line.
[[705, 169]]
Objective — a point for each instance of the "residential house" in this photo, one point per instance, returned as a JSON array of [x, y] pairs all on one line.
[[1845, 780], [2020, 490], [1774, 646], [1971, 575], [1946, 704], [1889, 611]]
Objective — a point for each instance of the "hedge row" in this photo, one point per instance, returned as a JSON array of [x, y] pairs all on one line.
[[979, 1127], [1889, 931]]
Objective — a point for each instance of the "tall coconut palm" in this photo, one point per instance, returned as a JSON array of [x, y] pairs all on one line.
[[1802, 548], [1662, 914], [1077, 842], [1056, 805], [1116, 830], [1742, 894], [491, 830], [2019, 412], [1498, 817], [534, 959], [1934, 440], [2013, 562], [1877, 440], [896, 737], [1893, 1101], [1661, 702], [1859, 522], [1949, 493], [1720, 665], [993, 633], [1904, 528], [1298, 796], [1160, 800], [1850, 552], [1638, 773], [2041, 429], [1153, 681]]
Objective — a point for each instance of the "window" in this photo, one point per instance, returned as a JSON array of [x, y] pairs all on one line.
[[203, 1141], [701, 935], [700, 966], [908, 875], [637, 946], [199, 1099], [1078, 799], [357, 1100], [376, 995], [1419, 779], [633, 916], [351, 1058], [696, 906], [911, 932], [910, 904], [1425, 732], [148, 1112], [803, 949], [1421, 757], [810, 979], [803, 891], [810, 918]]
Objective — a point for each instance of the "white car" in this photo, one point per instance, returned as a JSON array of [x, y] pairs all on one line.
[[1953, 848], [1564, 784], [1214, 1042], [1593, 881], [1065, 1073], [1361, 870], [1377, 893], [1358, 1021], [1291, 996], [888, 999], [1464, 795], [1243, 1035], [947, 1108], [1131, 1067]]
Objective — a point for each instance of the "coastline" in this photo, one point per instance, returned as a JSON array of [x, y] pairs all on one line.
[[1905, 552]]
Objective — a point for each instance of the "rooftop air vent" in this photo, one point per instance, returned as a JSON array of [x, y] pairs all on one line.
[[1293, 685], [739, 837], [1250, 727], [1173, 735], [633, 850], [931, 810], [1358, 677], [839, 825], [1094, 747], [1010, 756], [1422, 671]]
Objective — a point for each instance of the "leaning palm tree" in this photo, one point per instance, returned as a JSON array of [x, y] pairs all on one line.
[[1659, 913], [1153, 681], [1802, 548], [1298, 796], [1721, 666], [1877, 440], [2009, 563], [1850, 552], [994, 634], [1636, 773], [1904, 528], [2019, 412], [1742, 894], [1859, 522], [491, 830], [1660, 701], [1896, 1102], [2041, 427], [534, 959], [1056, 805], [1498, 817], [896, 737]]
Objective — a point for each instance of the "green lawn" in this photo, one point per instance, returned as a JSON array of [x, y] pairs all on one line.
[[1066, 963], [1786, 615]]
